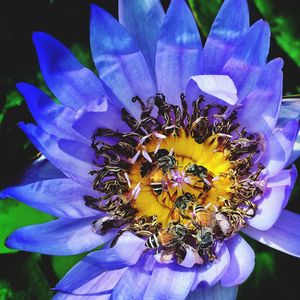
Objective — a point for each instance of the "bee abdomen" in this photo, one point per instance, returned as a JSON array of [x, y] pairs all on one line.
[[152, 242], [157, 187]]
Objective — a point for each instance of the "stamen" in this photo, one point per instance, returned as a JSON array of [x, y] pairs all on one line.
[[133, 159], [146, 155]]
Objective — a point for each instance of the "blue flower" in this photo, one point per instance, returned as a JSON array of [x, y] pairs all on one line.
[[164, 158]]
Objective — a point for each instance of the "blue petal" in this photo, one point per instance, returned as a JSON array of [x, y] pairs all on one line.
[[264, 101], [58, 237], [170, 281], [290, 109], [52, 118], [179, 51], [296, 151], [275, 198], [143, 20], [242, 260], [279, 146], [217, 292], [73, 84], [210, 273], [283, 236], [125, 253], [227, 31], [72, 158], [133, 283], [57, 197], [120, 63], [250, 55], [97, 288]]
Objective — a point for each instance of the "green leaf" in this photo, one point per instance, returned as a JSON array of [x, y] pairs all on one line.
[[205, 12], [284, 22], [14, 215]]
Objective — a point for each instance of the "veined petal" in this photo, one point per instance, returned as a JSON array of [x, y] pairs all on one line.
[[51, 117], [170, 281], [120, 63], [98, 288], [57, 197], [217, 292], [275, 198], [58, 237], [210, 273], [250, 55], [225, 34], [69, 163], [143, 20], [73, 84], [133, 283], [283, 236], [264, 101], [241, 262], [179, 51], [290, 109], [125, 253], [279, 146], [215, 88]]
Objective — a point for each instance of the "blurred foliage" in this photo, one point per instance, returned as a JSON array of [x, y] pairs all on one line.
[[31, 276]]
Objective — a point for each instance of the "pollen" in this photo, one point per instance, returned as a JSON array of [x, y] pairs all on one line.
[[178, 180]]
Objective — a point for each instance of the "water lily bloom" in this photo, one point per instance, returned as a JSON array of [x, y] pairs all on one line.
[[164, 158]]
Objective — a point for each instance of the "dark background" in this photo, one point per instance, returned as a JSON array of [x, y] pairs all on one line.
[[30, 276]]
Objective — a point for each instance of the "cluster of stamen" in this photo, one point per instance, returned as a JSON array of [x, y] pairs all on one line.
[[180, 180]]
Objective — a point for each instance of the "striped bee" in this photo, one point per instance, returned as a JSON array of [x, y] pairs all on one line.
[[184, 204], [157, 183], [203, 216]]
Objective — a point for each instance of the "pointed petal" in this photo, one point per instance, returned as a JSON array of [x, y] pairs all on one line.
[[283, 236], [72, 158], [215, 89], [57, 197], [295, 152], [250, 55], [264, 101], [275, 198], [143, 20], [133, 283], [179, 51], [120, 63], [58, 237], [217, 292], [125, 253], [51, 117], [209, 274], [242, 259], [73, 84], [279, 146], [226, 33], [170, 281]]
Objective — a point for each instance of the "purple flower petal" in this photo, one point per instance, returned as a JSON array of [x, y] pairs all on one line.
[[264, 101], [210, 273], [283, 236], [143, 20], [170, 281], [295, 152], [73, 84], [179, 51], [225, 34], [290, 109], [279, 146], [125, 253], [133, 283], [58, 237], [275, 198], [215, 89], [57, 197], [52, 118], [250, 55], [69, 163], [241, 262], [98, 288], [120, 63], [217, 292]]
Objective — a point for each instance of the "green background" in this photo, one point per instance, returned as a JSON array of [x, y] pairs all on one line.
[[31, 276]]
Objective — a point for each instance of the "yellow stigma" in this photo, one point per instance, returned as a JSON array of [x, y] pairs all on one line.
[[177, 181]]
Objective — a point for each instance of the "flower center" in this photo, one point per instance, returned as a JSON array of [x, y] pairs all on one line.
[[179, 180]]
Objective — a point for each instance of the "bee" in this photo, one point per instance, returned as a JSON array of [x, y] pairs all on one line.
[[201, 172], [167, 163], [203, 216], [169, 237], [205, 237], [183, 204], [157, 183]]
